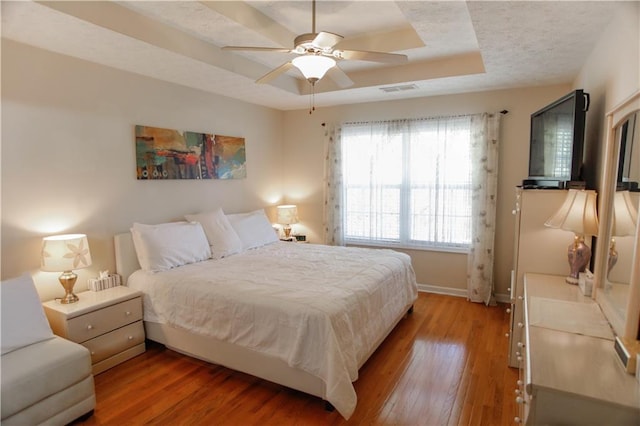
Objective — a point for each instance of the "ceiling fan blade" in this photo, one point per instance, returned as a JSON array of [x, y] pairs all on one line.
[[325, 40], [257, 49], [339, 77], [362, 55], [274, 73]]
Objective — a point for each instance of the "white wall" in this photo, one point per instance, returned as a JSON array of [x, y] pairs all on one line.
[[68, 157], [612, 70], [610, 75], [304, 175]]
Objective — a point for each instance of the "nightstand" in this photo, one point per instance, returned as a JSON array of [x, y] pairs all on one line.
[[296, 239], [107, 322]]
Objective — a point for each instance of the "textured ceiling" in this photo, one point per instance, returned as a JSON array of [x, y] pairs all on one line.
[[452, 46]]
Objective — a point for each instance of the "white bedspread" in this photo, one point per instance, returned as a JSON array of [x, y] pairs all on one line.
[[318, 308]]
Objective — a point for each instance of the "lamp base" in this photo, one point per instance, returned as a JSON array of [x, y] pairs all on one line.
[[287, 231], [579, 255], [68, 280], [571, 280]]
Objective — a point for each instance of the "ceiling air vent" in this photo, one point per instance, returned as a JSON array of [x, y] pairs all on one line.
[[400, 88]]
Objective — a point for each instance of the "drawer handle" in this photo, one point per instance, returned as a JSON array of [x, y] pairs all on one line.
[[517, 419], [520, 325], [520, 298], [520, 382], [508, 310], [518, 392], [93, 353], [519, 358], [520, 400], [130, 337], [520, 345], [127, 313], [506, 334], [89, 327]]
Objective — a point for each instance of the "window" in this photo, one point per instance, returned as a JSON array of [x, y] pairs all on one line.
[[408, 183]]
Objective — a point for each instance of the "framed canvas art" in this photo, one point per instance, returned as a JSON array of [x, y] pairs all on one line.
[[171, 154]]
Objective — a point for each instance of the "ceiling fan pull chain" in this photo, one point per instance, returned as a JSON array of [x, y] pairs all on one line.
[[312, 99]]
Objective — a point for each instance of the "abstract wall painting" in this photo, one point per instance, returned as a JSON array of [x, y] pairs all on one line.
[[170, 154]]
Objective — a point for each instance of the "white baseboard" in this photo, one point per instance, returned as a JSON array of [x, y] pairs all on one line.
[[457, 292], [503, 298]]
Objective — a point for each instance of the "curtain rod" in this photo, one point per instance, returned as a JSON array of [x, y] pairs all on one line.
[[503, 112]]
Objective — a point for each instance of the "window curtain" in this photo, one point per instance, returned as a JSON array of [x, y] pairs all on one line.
[[408, 182], [333, 197], [373, 187], [485, 130]]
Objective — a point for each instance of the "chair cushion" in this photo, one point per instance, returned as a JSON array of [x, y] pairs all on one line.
[[37, 371], [23, 319]]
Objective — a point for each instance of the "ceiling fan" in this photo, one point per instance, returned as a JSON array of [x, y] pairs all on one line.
[[317, 53]]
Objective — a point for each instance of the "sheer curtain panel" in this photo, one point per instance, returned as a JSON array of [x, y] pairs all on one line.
[[425, 183], [485, 130], [333, 191], [407, 183]]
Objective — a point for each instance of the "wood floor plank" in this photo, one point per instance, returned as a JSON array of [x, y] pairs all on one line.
[[445, 364]]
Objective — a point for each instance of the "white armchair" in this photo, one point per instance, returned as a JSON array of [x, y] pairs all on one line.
[[45, 379]]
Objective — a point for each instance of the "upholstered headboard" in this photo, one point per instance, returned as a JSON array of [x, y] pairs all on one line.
[[126, 258]]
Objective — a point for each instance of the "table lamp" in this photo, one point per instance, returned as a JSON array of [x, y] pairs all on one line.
[[625, 217], [577, 214], [287, 215], [62, 253]]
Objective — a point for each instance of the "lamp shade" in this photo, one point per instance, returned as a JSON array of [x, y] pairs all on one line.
[[287, 214], [577, 214], [313, 67], [625, 215], [65, 252]]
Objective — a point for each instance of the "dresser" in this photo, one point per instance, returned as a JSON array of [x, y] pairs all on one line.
[[537, 248], [569, 372], [107, 322]]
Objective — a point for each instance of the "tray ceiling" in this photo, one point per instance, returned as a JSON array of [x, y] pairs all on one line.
[[453, 46]]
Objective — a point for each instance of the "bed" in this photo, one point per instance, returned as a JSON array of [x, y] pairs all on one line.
[[305, 316]]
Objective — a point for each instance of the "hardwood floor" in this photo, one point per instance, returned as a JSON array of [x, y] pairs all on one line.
[[445, 364]]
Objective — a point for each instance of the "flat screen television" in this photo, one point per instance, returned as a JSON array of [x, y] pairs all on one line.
[[556, 143]]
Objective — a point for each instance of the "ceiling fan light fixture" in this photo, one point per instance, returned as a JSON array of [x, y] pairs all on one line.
[[313, 67]]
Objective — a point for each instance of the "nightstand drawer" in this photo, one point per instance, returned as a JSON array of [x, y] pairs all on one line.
[[119, 340], [92, 324]]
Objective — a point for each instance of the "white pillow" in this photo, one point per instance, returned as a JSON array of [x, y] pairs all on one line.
[[169, 245], [254, 229], [223, 239], [23, 319]]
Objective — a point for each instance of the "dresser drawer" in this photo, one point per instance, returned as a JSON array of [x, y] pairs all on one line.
[[93, 324], [116, 341]]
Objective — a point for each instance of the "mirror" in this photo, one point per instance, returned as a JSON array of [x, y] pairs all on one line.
[[618, 211], [621, 249], [625, 214], [627, 133]]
